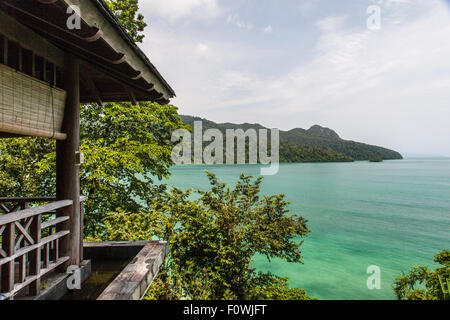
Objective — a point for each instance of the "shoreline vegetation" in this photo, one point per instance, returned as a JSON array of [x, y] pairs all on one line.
[[315, 145]]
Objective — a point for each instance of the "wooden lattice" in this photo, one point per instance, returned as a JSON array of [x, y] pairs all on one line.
[[29, 246]]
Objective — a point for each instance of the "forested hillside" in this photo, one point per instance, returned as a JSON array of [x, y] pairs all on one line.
[[317, 144]]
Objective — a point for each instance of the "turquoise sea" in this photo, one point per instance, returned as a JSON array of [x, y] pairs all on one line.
[[392, 214]]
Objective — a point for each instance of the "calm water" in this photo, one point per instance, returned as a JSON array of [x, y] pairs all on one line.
[[392, 214]]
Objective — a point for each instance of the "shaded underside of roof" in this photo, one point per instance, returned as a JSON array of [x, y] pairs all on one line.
[[113, 67], [114, 21]]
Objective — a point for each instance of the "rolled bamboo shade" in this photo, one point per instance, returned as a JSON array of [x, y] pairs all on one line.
[[29, 106]]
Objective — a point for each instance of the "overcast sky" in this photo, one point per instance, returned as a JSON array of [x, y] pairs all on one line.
[[296, 63]]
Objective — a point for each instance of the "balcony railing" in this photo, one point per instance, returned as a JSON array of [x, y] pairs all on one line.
[[30, 240]]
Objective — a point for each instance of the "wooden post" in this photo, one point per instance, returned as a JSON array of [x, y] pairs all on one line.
[[44, 71], [81, 230], [33, 65], [5, 51], [22, 259], [20, 57], [46, 255], [8, 244], [35, 256], [67, 172]]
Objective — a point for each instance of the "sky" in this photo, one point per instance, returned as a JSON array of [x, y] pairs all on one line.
[[296, 63]]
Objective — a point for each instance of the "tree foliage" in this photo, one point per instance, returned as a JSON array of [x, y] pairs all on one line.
[[127, 13], [125, 147], [291, 153], [423, 283], [22, 172], [271, 287], [214, 238]]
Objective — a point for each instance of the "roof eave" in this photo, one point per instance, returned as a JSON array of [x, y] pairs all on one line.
[[135, 53]]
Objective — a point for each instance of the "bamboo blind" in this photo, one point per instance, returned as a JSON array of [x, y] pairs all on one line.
[[29, 106]]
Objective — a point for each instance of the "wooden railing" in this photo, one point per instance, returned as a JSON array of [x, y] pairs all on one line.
[[29, 243]]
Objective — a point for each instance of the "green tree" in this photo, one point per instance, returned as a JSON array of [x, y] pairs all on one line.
[[127, 13], [21, 171], [271, 287], [125, 147], [422, 283], [214, 238]]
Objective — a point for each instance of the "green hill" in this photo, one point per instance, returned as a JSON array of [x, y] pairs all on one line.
[[317, 144]]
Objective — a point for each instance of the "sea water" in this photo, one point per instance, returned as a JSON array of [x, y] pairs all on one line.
[[392, 215]]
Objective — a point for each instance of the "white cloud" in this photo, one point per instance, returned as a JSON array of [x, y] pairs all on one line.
[[268, 29], [234, 20], [203, 49], [388, 88], [178, 9], [306, 7], [331, 23]]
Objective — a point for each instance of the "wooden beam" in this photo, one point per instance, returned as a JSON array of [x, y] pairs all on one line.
[[8, 268], [46, 255], [54, 27], [24, 233], [89, 84], [29, 249], [29, 39], [110, 47], [131, 95], [54, 74], [44, 69], [21, 237], [20, 57], [134, 281], [27, 199], [31, 212], [33, 64], [93, 16], [12, 130], [20, 286], [53, 222], [35, 257], [81, 230], [67, 172], [5, 50], [22, 268]]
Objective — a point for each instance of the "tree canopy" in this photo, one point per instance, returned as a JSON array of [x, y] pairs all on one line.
[[125, 146], [423, 283], [127, 12], [214, 238]]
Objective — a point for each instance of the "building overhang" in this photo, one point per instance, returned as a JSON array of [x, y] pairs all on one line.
[[113, 68]]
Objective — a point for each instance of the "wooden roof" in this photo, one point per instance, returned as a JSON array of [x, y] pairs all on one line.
[[113, 67]]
